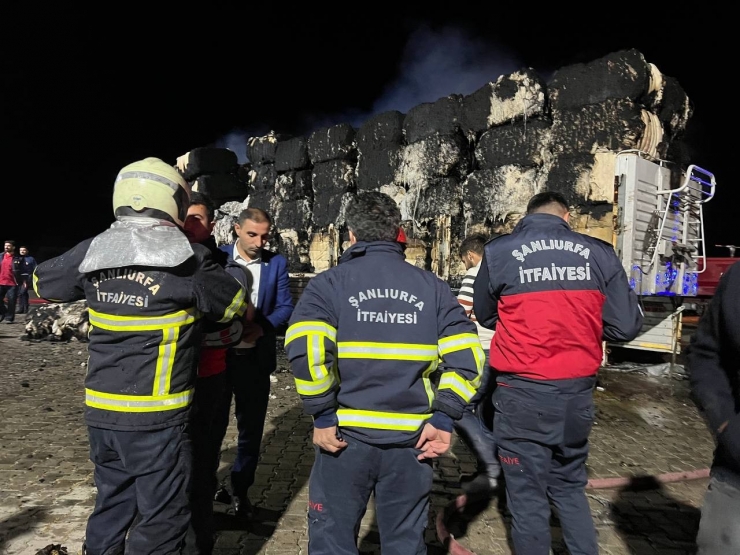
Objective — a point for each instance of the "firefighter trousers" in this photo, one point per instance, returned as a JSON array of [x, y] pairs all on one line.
[[542, 431], [209, 422], [143, 475], [339, 490]]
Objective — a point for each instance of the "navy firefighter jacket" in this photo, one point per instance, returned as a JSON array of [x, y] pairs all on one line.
[[553, 295], [145, 332], [365, 338]]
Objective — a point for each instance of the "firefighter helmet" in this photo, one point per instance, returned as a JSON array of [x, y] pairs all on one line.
[[153, 188]]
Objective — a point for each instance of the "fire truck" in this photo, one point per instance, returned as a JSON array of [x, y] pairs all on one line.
[[659, 237]]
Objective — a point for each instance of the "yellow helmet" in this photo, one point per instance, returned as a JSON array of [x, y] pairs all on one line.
[[153, 188]]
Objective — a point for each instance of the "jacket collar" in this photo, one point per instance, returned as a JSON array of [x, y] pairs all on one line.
[[361, 248], [534, 221]]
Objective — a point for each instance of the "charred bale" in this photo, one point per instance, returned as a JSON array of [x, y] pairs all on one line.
[[524, 143], [332, 143], [263, 177], [620, 75], [671, 104], [261, 150], [435, 156], [381, 132], [207, 160], [221, 188], [292, 155], [444, 195], [494, 195], [442, 117], [378, 168], [293, 201], [294, 185], [614, 124], [583, 178], [520, 95], [332, 181]]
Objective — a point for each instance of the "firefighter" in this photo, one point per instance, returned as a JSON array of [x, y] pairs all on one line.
[[552, 295], [379, 326], [148, 291]]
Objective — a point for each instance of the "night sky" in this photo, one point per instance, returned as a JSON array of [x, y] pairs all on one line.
[[83, 94]]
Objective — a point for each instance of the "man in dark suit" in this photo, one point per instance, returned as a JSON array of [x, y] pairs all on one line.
[[249, 365]]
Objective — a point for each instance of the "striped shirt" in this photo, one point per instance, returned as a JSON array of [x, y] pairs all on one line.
[[465, 298]]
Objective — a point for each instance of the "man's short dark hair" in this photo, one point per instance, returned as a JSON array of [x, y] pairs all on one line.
[[473, 243], [197, 198], [547, 201], [373, 216], [11, 241], [254, 214]]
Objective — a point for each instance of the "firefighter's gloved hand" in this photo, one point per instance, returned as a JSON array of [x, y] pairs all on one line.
[[729, 438], [433, 442], [225, 337]]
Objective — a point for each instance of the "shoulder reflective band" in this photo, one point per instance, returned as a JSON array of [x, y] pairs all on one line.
[[238, 305], [301, 329]]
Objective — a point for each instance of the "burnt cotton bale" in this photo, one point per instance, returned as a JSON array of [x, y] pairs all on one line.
[[294, 185], [292, 154], [520, 95], [614, 124], [263, 178], [524, 143], [380, 132], [378, 168], [492, 195], [331, 181], [433, 118], [442, 196], [221, 188], [261, 150], [332, 143], [623, 74], [207, 160]]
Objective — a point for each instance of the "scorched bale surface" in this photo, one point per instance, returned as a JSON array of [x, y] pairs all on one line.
[[209, 160], [262, 150], [524, 143], [622, 74], [443, 196], [521, 95], [331, 181], [292, 155], [491, 195], [614, 124], [378, 168], [442, 117], [221, 187], [332, 143], [380, 132]]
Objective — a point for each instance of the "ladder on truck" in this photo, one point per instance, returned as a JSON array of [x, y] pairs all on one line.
[[660, 240]]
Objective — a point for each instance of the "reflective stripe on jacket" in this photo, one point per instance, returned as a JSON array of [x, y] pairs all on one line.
[[366, 337], [145, 332]]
